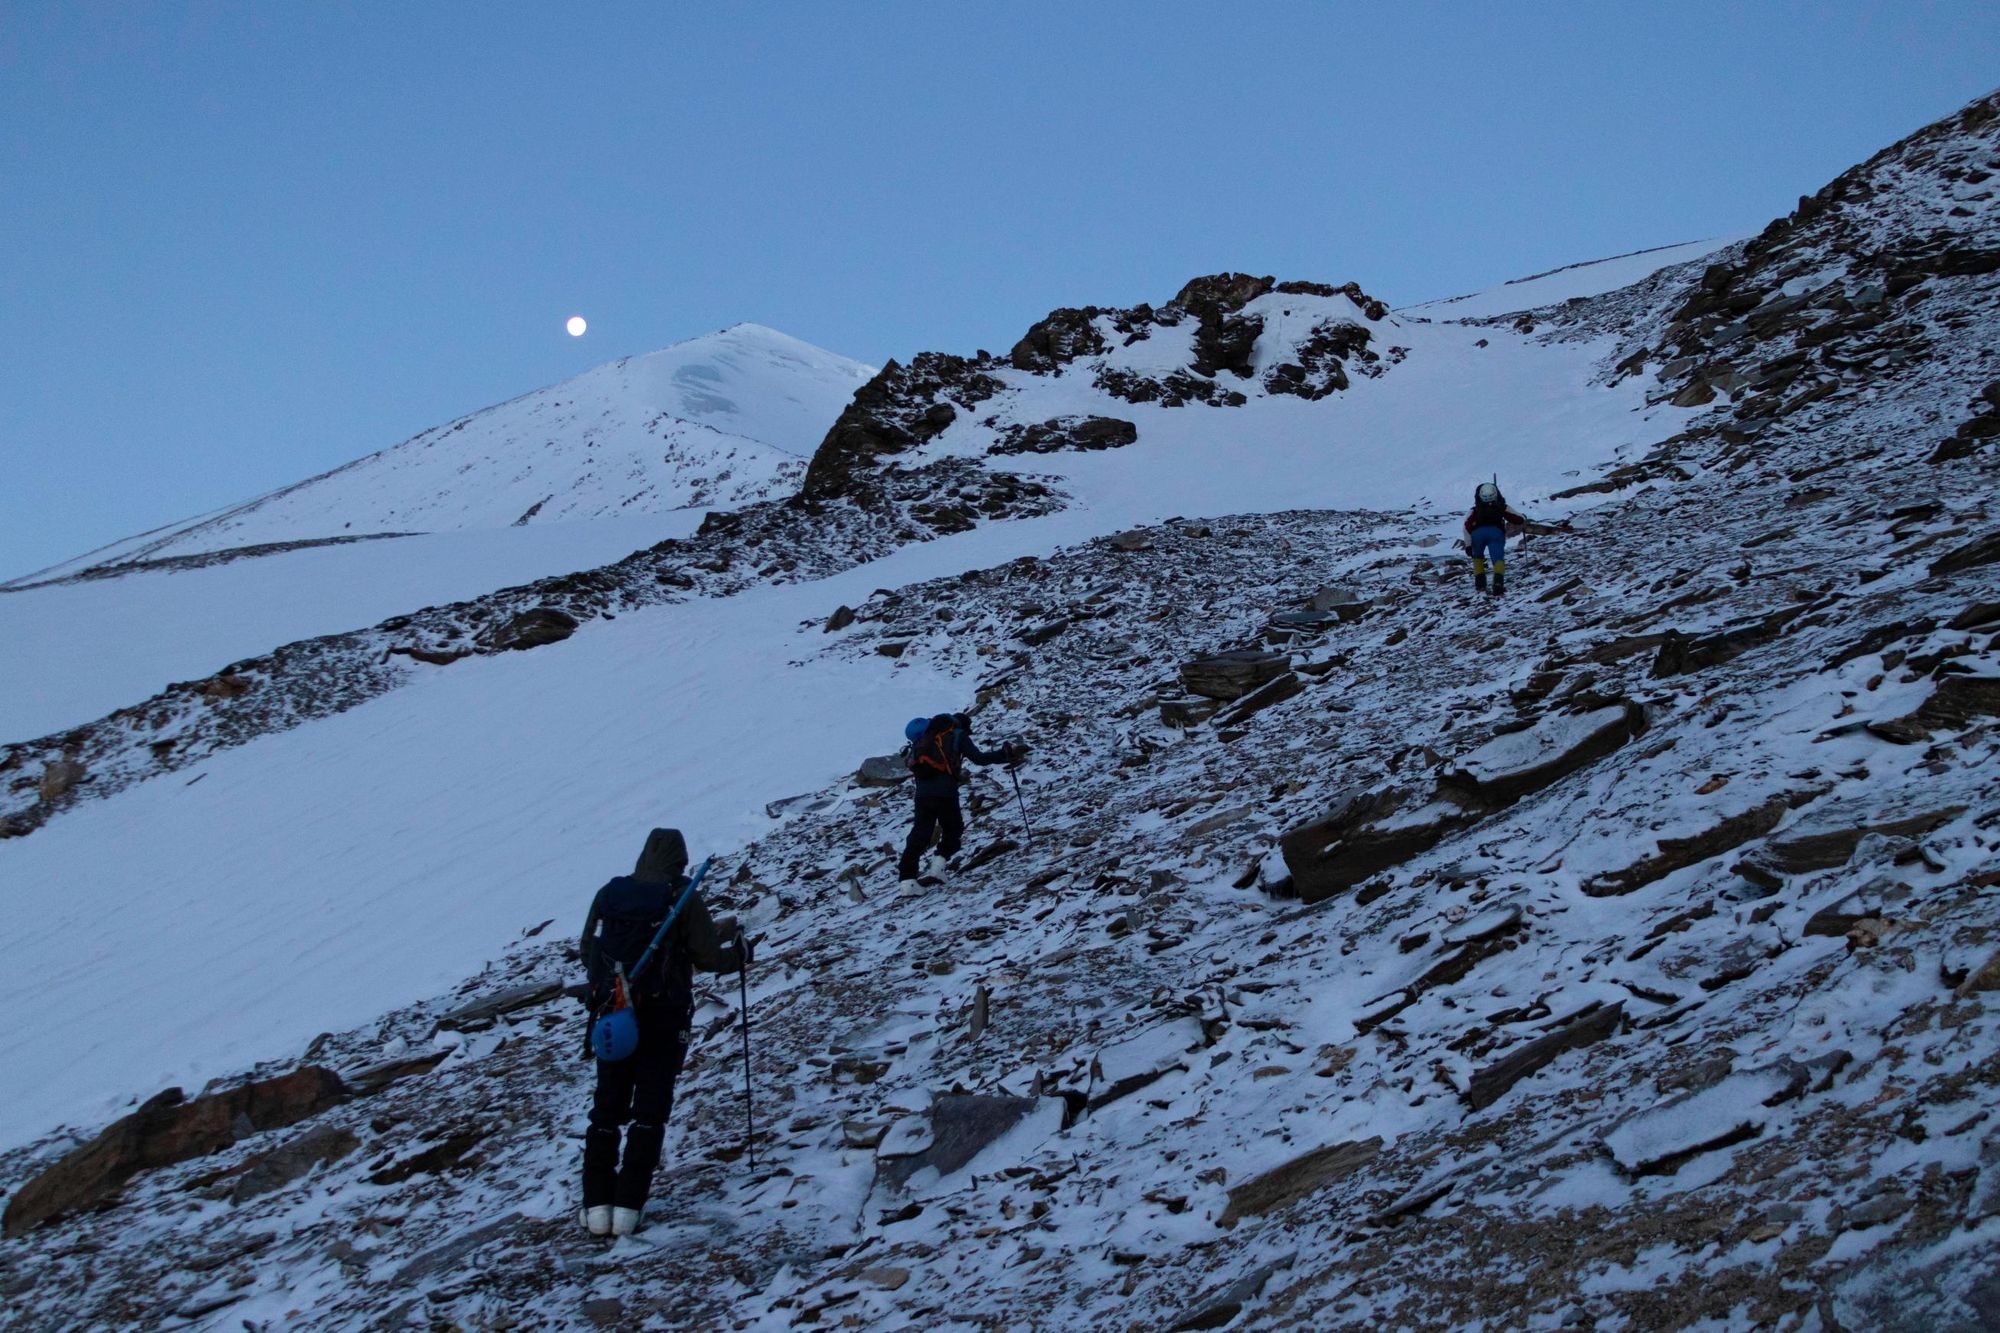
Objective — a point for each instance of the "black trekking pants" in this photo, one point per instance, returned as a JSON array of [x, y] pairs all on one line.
[[638, 1089], [937, 813]]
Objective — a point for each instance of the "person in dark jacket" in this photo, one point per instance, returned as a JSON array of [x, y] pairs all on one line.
[[639, 1090], [937, 759], [1487, 528]]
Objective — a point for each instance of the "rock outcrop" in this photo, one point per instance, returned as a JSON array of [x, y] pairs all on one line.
[[166, 1131]]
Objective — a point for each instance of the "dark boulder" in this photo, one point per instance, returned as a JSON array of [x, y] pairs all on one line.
[[882, 771], [1224, 338], [1320, 367], [1364, 836], [895, 412], [1272, 692], [1958, 701], [1980, 551], [529, 629], [1232, 675], [1059, 433]]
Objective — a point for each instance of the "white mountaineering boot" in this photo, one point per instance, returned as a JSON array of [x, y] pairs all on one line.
[[934, 867], [624, 1221], [597, 1220]]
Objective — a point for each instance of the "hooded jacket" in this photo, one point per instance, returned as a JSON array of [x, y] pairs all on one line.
[[628, 910]]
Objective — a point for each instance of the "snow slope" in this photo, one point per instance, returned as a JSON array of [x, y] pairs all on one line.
[[1592, 278], [73, 651], [714, 421], [611, 462], [369, 859], [1445, 416]]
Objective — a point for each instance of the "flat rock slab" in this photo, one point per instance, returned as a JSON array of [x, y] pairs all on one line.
[[1229, 676], [1139, 1061], [1828, 834], [524, 996], [1186, 713], [1484, 925], [1726, 834], [166, 1131], [1509, 767], [268, 1172], [1660, 1138], [1285, 1185], [811, 803], [1273, 692], [1959, 701], [1336, 601], [882, 771], [1289, 626], [1217, 1310], [375, 1077], [1364, 836], [963, 1125], [1979, 551], [1490, 1084]]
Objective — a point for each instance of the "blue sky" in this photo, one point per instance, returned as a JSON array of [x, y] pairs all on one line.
[[243, 243]]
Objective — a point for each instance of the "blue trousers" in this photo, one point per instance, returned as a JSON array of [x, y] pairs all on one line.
[[1488, 544]]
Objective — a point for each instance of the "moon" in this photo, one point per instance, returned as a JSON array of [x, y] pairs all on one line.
[[576, 326]]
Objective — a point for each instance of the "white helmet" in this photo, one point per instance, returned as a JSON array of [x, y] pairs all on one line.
[[1487, 493]]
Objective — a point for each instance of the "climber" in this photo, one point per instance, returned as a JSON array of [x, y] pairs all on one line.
[[1487, 528], [625, 917], [938, 749]]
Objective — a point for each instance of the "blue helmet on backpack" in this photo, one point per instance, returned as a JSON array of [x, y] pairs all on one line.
[[914, 731], [615, 1036]]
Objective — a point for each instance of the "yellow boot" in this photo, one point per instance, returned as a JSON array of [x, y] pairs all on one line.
[[1479, 573]]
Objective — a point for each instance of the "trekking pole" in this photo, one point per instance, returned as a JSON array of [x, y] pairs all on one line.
[[1027, 831], [743, 991]]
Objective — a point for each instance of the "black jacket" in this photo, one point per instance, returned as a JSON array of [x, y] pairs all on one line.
[[627, 912], [1495, 515]]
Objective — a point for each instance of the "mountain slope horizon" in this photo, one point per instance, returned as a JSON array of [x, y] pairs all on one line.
[[718, 419]]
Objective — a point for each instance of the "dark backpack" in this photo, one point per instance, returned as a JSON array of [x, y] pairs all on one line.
[[629, 913], [935, 753], [1490, 514]]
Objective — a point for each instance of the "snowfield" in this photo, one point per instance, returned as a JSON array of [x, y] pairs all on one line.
[[1592, 278], [73, 651]]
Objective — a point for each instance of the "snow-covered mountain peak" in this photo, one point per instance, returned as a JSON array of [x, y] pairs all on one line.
[[718, 420]]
